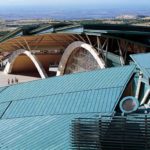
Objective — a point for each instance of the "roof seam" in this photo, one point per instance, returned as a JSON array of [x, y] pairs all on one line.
[[75, 74], [6, 110], [4, 88], [63, 93], [64, 114]]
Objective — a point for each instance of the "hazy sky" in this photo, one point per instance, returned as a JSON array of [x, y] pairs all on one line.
[[63, 3], [72, 8]]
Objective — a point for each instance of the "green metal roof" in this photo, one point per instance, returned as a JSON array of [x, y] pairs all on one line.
[[88, 92], [101, 101], [38, 133], [3, 33], [2, 89], [3, 108], [127, 32], [92, 80], [143, 62], [13, 34], [38, 115]]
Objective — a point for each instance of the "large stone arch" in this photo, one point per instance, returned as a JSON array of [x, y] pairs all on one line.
[[71, 48], [36, 62]]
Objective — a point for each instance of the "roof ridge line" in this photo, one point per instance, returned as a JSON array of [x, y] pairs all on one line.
[[74, 74], [62, 93], [52, 115]]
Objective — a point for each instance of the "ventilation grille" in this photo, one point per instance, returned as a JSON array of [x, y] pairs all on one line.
[[111, 133]]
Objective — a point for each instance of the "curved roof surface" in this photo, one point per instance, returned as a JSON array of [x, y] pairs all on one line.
[[135, 34]]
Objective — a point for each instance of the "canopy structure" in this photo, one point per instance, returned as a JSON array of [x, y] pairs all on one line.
[[73, 47], [127, 32]]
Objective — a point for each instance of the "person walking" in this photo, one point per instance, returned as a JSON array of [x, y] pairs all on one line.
[[12, 81], [16, 80], [8, 81]]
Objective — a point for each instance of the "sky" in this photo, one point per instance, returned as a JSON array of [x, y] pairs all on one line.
[[68, 8], [89, 3]]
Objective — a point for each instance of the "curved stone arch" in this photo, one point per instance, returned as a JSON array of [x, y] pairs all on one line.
[[34, 59], [71, 48]]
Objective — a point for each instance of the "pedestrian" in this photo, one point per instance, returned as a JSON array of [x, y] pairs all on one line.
[[12, 81], [16, 80], [8, 81]]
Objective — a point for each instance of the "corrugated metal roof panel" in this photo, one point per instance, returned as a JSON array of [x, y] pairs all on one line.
[[143, 62], [38, 133], [101, 101], [3, 107], [44, 28], [2, 89], [103, 78], [148, 71], [12, 34], [56, 102]]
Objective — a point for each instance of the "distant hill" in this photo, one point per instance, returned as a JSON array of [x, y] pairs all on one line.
[[126, 16]]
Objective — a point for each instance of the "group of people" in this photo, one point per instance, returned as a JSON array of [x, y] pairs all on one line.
[[13, 81]]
